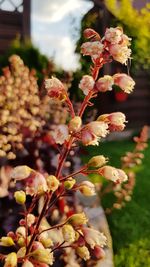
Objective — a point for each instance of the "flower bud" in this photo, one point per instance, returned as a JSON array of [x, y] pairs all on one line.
[[27, 264], [21, 252], [124, 81], [77, 219], [105, 83], [68, 233], [69, 183], [46, 242], [113, 174], [52, 183], [89, 33], [86, 84], [20, 197], [87, 188], [43, 256], [30, 219], [75, 124], [113, 35], [11, 260], [98, 252], [93, 49], [120, 53], [21, 172], [6, 241], [21, 231], [21, 241], [115, 120], [55, 89], [93, 237], [83, 253], [97, 161]]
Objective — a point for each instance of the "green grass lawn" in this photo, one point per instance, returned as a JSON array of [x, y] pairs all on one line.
[[130, 227]]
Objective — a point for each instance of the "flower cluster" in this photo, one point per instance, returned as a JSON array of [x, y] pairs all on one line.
[[129, 163], [114, 45], [23, 111], [20, 106], [56, 225]]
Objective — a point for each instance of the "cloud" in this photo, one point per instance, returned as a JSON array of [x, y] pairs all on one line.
[[55, 10], [53, 31]]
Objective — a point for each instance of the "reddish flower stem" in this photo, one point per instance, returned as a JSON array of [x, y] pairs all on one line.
[[65, 150], [38, 223], [74, 173]]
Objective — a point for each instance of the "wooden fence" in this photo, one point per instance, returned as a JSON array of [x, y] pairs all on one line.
[[13, 22]]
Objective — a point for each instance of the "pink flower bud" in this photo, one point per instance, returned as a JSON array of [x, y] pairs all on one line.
[[105, 83], [98, 252], [98, 128], [89, 33], [86, 84], [113, 174], [93, 49], [120, 53], [55, 88], [115, 120], [113, 35], [93, 237], [36, 184], [93, 131], [125, 82], [60, 134]]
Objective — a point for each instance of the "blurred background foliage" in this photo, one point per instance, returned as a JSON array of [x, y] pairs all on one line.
[[136, 24]]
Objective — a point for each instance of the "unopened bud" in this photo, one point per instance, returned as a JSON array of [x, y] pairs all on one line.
[[6, 241], [27, 264], [89, 33], [11, 260], [68, 233], [77, 219], [21, 172], [20, 197], [99, 252], [83, 253], [87, 188], [21, 252], [43, 256], [69, 183], [75, 124], [97, 161], [21, 231], [46, 242], [52, 183]]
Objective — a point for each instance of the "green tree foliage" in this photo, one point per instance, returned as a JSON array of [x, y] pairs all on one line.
[[137, 25], [29, 54]]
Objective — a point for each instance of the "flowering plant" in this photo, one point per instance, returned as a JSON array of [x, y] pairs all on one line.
[[47, 226]]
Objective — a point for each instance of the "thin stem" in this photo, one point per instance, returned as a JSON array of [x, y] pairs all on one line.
[[70, 106], [85, 103], [59, 246], [64, 155], [38, 224], [53, 227], [74, 173]]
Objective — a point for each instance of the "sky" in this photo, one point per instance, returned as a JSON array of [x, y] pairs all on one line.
[[54, 28]]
